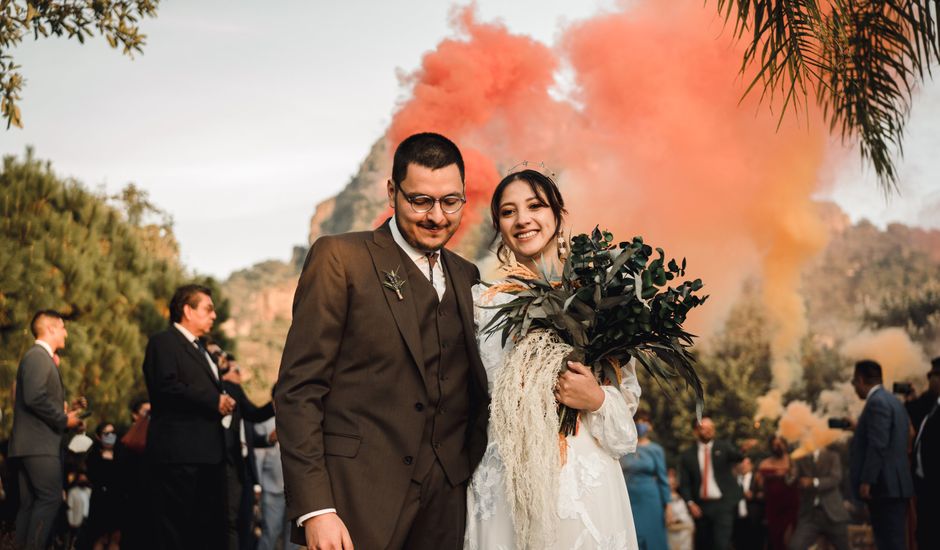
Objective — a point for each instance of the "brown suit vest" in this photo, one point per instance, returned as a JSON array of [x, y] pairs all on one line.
[[447, 373]]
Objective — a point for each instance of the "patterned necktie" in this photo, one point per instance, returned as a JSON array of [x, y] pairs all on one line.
[[432, 262]]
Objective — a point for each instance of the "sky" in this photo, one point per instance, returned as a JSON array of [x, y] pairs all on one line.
[[240, 116]]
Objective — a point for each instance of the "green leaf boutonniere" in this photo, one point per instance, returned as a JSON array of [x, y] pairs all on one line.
[[393, 282]]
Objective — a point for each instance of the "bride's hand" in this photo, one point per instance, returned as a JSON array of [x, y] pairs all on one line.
[[577, 388]]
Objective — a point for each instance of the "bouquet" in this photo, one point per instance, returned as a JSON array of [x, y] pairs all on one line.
[[612, 303]]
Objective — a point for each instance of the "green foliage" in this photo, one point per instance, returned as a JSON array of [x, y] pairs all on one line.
[[64, 248], [862, 59], [116, 20]]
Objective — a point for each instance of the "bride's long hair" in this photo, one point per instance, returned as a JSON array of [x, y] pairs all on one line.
[[544, 188]]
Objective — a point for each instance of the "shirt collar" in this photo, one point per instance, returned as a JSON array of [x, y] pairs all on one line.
[[816, 454], [411, 251], [186, 334], [873, 390], [45, 345], [706, 445]]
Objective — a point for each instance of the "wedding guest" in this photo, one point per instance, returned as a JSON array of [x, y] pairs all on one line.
[[275, 530], [926, 460], [648, 486], [822, 511], [185, 438], [108, 498], [878, 463], [136, 527], [708, 486], [681, 526], [781, 499], [749, 529], [78, 502], [240, 470], [39, 422]]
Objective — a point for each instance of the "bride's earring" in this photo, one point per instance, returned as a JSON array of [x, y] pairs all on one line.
[[562, 246]]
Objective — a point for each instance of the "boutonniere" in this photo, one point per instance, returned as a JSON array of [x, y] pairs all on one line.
[[393, 282]]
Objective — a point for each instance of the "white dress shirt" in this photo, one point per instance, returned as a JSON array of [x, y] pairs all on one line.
[[744, 480], [420, 259], [714, 493], [44, 345], [194, 341]]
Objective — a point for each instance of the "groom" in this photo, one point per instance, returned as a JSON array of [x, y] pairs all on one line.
[[381, 398]]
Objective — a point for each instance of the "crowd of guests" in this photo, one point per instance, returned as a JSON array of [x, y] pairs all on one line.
[[198, 465], [715, 498]]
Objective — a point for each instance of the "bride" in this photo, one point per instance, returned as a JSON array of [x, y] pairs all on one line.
[[534, 489]]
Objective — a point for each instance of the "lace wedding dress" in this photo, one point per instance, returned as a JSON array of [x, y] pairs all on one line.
[[593, 509]]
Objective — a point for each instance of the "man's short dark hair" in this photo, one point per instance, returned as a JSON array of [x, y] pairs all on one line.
[[186, 295], [39, 317], [935, 363], [427, 149], [869, 371]]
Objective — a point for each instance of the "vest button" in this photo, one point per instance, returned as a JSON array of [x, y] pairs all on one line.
[[442, 313], [408, 460], [437, 444], [419, 407]]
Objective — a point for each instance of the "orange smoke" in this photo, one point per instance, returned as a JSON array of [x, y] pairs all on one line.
[[800, 424], [654, 140], [899, 357]]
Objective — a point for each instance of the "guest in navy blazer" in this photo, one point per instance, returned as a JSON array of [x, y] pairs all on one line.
[[879, 469]]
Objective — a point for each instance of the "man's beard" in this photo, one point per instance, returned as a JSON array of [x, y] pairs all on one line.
[[412, 239]]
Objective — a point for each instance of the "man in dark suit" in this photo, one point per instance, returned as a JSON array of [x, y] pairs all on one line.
[[381, 399], [241, 473], [926, 460], [878, 464], [708, 485], [39, 421], [185, 439], [749, 531], [822, 511]]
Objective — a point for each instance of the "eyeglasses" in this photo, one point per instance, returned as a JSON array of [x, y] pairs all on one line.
[[450, 204]]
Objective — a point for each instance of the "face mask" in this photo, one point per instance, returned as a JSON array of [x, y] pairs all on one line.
[[109, 439], [642, 429]]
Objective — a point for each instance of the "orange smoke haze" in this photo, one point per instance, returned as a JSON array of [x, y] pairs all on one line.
[[899, 357], [800, 424], [653, 140]]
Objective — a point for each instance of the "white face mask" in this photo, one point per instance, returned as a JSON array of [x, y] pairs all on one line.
[[109, 439]]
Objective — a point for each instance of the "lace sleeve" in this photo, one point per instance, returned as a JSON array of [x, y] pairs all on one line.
[[612, 424], [491, 349]]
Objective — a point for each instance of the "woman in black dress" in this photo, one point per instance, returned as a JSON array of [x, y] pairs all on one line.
[[107, 496]]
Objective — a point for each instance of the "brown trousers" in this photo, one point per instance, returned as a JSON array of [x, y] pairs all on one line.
[[433, 516]]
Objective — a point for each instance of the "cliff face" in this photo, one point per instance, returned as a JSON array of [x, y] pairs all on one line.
[[358, 205]]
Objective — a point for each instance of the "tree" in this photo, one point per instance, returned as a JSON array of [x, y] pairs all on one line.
[[64, 248], [860, 58], [116, 20]]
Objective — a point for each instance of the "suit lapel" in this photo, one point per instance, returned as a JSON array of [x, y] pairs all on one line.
[[461, 287], [387, 257], [197, 355]]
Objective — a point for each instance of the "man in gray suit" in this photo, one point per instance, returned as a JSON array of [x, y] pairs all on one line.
[[879, 469], [822, 512], [39, 421]]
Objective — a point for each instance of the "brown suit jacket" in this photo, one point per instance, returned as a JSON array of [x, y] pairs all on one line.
[[828, 470], [350, 378]]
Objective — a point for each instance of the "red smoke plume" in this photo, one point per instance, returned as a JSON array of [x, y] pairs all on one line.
[[654, 140]]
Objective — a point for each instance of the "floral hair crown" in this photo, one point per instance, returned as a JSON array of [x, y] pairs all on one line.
[[530, 165]]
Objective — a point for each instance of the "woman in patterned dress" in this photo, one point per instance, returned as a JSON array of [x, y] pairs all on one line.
[[579, 477]]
